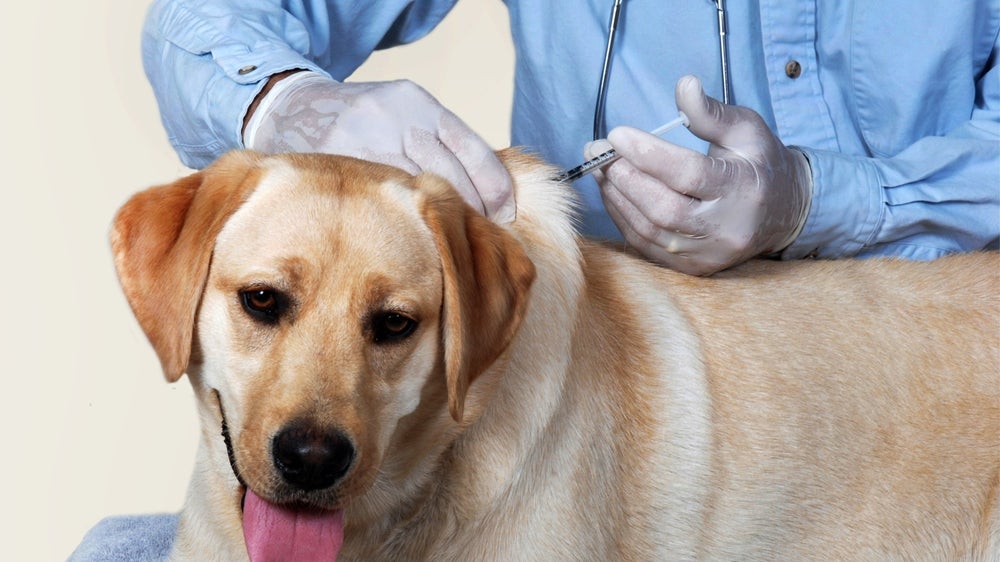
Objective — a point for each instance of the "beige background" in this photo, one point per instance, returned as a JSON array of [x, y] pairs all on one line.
[[90, 428]]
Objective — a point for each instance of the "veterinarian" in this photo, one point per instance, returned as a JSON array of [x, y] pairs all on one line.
[[852, 129]]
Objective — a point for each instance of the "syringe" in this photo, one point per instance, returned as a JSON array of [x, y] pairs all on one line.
[[596, 162]]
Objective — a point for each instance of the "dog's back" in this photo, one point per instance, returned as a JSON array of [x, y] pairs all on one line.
[[853, 407], [831, 410]]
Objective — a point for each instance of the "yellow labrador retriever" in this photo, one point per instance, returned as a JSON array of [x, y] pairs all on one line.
[[383, 373]]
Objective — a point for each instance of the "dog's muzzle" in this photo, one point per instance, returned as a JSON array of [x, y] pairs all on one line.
[[307, 456], [308, 459]]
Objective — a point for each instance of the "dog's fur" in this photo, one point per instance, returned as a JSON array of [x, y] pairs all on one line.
[[560, 399]]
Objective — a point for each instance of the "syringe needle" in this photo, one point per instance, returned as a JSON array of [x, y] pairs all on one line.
[[681, 119]]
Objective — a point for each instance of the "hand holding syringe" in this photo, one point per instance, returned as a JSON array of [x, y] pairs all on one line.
[[596, 162]]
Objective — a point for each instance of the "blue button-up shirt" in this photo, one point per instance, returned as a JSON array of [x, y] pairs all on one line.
[[897, 105]]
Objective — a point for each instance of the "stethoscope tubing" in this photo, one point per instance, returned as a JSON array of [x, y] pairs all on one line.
[[613, 23]]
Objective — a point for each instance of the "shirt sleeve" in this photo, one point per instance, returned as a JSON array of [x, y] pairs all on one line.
[[207, 59], [939, 195]]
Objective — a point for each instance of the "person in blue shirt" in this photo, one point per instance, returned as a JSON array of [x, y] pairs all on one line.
[[852, 129]]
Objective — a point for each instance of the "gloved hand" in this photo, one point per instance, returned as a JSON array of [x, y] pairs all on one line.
[[700, 214], [396, 123]]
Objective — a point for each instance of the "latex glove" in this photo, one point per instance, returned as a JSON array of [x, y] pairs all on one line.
[[700, 214], [396, 123]]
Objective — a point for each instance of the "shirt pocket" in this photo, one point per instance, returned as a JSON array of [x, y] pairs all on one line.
[[913, 70]]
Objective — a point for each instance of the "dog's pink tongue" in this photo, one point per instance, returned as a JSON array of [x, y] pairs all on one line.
[[274, 533]]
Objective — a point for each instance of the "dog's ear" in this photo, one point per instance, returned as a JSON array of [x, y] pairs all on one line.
[[162, 241], [487, 277]]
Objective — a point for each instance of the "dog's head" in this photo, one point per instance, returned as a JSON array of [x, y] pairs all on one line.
[[329, 305]]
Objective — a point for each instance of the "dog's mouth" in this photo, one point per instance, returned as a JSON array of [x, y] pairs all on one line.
[[274, 532]]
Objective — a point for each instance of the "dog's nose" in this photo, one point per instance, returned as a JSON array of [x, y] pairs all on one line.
[[311, 458]]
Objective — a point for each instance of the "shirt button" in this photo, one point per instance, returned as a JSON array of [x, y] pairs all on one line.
[[793, 69], [247, 69]]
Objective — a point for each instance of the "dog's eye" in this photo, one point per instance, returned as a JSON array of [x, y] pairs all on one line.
[[389, 327], [265, 305]]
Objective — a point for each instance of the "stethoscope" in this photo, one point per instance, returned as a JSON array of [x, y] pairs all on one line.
[[720, 8]]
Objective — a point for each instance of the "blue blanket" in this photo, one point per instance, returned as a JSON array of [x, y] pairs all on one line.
[[136, 538]]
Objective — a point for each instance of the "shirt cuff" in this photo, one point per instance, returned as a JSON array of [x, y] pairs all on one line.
[[264, 107], [847, 209], [239, 89]]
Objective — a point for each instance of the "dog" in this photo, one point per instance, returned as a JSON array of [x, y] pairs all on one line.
[[382, 373]]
